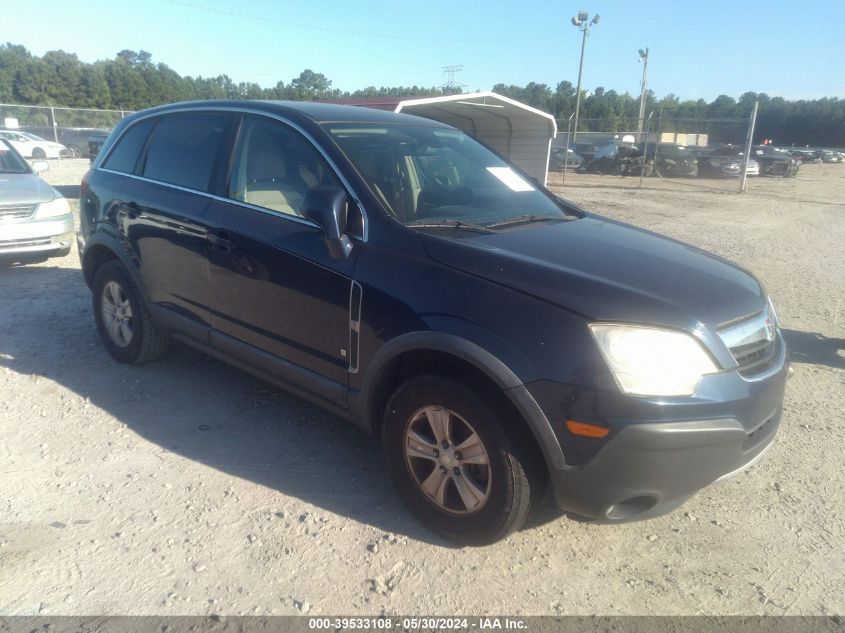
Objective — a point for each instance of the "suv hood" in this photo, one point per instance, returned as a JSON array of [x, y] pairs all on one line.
[[605, 270], [25, 189]]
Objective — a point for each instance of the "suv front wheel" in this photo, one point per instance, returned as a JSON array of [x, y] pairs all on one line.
[[458, 464]]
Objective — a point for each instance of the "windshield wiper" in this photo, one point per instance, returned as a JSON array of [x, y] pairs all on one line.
[[449, 224], [521, 219]]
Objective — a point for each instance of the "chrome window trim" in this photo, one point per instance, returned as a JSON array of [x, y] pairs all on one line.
[[350, 190], [240, 203]]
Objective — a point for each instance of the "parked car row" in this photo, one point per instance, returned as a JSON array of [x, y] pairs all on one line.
[[832, 157], [671, 160], [35, 141], [75, 139], [818, 156]]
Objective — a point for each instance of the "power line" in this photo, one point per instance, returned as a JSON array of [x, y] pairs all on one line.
[[329, 29]]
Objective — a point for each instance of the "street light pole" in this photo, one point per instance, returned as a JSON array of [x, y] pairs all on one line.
[[566, 155], [644, 60], [583, 22]]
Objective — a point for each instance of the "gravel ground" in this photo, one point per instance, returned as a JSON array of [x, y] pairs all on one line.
[[187, 487]]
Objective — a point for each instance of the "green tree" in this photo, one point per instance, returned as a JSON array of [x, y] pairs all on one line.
[[131, 80], [309, 85]]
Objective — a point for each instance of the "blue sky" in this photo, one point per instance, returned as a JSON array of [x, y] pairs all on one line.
[[698, 48]]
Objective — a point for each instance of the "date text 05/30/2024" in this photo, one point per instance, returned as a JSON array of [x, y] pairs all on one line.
[[409, 623]]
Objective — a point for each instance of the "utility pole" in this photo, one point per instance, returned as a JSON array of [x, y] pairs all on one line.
[[644, 86], [752, 122], [566, 155], [583, 22]]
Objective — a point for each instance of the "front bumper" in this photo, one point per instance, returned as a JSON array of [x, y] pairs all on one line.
[[37, 236], [661, 452], [650, 469]]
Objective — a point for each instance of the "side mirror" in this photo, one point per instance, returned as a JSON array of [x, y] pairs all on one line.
[[327, 207], [40, 166]]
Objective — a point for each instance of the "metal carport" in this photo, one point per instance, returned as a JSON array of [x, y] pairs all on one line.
[[519, 132]]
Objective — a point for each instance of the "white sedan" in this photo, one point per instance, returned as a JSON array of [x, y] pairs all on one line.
[[31, 146]]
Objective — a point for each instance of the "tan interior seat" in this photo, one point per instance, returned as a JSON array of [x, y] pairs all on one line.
[[308, 176], [266, 181]]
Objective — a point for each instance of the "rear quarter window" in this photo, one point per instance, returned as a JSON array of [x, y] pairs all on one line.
[[124, 156], [184, 148]]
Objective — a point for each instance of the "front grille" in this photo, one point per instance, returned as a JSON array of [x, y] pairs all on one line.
[[753, 343], [754, 358], [16, 211], [778, 167]]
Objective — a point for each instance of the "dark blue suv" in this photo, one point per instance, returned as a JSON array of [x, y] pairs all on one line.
[[400, 274]]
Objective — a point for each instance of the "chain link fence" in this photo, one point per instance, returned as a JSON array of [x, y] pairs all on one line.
[[658, 152], [69, 126]]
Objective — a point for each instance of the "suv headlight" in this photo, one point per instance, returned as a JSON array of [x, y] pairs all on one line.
[[52, 209], [652, 362]]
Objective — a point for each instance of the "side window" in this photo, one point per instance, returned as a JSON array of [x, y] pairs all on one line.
[[274, 166], [124, 156], [184, 148]]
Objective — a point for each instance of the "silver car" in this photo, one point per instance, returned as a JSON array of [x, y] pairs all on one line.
[[36, 222]]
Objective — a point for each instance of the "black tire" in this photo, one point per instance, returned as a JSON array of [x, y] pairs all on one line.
[[147, 341], [74, 151], [39, 154], [515, 469]]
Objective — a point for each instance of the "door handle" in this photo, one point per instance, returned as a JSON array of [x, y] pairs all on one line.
[[220, 240]]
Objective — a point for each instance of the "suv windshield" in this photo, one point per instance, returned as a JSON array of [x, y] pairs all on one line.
[[425, 176], [10, 160]]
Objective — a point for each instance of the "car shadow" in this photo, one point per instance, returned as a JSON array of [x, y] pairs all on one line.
[[200, 408], [815, 348]]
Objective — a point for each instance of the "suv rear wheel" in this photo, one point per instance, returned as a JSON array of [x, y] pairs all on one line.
[[122, 319], [458, 465]]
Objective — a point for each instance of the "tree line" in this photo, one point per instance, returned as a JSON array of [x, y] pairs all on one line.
[[132, 81]]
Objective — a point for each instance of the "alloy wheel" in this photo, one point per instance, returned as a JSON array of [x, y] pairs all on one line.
[[117, 314], [448, 460]]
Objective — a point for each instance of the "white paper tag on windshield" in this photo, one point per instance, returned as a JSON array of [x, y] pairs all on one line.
[[512, 179]]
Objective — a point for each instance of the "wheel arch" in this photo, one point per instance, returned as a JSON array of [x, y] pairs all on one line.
[[446, 354], [101, 248], [95, 256]]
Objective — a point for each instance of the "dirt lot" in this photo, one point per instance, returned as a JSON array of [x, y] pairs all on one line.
[[187, 487]]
